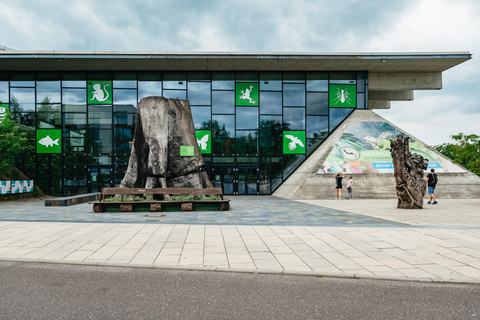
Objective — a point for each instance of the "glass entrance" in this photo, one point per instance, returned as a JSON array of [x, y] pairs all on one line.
[[236, 180], [99, 178]]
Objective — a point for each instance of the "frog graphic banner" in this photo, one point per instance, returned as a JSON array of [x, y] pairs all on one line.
[[364, 147]]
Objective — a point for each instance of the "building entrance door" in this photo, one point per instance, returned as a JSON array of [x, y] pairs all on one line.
[[236, 179], [99, 177]]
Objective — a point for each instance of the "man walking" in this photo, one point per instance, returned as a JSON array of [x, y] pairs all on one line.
[[432, 182]]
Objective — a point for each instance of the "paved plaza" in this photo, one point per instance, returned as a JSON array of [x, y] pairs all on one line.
[[264, 234]]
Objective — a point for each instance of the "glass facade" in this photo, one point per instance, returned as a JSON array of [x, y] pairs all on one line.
[[246, 112]]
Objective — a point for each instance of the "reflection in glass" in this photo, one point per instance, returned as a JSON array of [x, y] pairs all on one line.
[[48, 91], [361, 79], [223, 126], [270, 103], [124, 119], [271, 81], [317, 81], [149, 89], [125, 97], [317, 103], [223, 146], [174, 81], [100, 116], [22, 99], [360, 100], [99, 141], [48, 116], [75, 120], [271, 145], [247, 118], [317, 127], [223, 102], [247, 142], [270, 127], [294, 95], [125, 84], [201, 118], [199, 93], [291, 162], [4, 92], [74, 97], [74, 84], [337, 115], [175, 94], [223, 81], [74, 141], [294, 118], [26, 119]]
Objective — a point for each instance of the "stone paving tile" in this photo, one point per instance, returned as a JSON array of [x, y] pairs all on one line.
[[246, 211]]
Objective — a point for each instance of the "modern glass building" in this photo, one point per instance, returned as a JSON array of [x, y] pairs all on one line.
[[264, 114]]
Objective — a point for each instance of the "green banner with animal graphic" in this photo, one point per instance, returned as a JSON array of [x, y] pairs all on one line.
[[49, 141], [3, 111], [204, 140], [246, 94], [99, 92], [342, 96], [364, 147], [294, 142]]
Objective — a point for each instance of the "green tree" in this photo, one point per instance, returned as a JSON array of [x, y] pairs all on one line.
[[13, 141], [465, 151]]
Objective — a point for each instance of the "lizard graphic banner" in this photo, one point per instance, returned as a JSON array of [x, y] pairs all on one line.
[[364, 147]]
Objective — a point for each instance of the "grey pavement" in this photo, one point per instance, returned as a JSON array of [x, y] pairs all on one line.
[[354, 238]]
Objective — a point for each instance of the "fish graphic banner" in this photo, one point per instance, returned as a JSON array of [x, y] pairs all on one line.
[[49, 141]]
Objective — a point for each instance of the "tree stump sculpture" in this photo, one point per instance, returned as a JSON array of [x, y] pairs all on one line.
[[163, 125], [408, 170]]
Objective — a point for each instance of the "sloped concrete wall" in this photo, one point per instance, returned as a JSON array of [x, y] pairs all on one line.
[[305, 183]]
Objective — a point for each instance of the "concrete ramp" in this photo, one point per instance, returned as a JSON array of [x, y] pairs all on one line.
[[360, 148]]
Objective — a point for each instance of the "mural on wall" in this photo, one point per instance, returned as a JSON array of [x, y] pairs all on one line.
[[364, 147]]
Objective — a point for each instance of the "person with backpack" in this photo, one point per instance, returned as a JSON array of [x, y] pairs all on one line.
[[432, 180]]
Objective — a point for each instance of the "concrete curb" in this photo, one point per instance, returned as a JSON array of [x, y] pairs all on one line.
[[238, 270]]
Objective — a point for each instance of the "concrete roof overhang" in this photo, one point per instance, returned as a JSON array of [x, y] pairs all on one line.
[[392, 76], [226, 61]]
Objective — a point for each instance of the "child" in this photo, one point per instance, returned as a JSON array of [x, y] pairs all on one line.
[[349, 187]]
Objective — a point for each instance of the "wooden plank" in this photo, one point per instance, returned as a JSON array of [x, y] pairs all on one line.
[[187, 206]]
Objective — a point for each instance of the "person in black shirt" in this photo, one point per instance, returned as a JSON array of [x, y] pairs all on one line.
[[432, 183], [338, 184]]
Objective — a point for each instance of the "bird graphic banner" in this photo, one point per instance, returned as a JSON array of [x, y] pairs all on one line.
[[294, 142]]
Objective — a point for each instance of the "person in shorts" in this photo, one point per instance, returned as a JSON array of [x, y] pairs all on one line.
[[338, 184], [432, 183]]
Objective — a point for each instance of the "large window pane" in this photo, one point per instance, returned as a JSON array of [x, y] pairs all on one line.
[[223, 126], [48, 91], [124, 119], [74, 140], [100, 141], [4, 92], [317, 81], [294, 77], [48, 116], [74, 100], [223, 81], [294, 95], [201, 118], [174, 81], [223, 146], [199, 93], [271, 81], [125, 97], [317, 103], [75, 120], [22, 99], [294, 118], [149, 89], [247, 118], [223, 102], [270, 127], [246, 142], [270, 103], [100, 116], [317, 127], [175, 94], [337, 115]]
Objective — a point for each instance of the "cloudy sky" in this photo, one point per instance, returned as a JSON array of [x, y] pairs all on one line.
[[275, 26]]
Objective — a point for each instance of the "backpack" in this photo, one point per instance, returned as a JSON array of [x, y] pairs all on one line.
[[434, 179]]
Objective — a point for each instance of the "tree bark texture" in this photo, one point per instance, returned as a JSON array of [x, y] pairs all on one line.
[[163, 125], [409, 174]]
